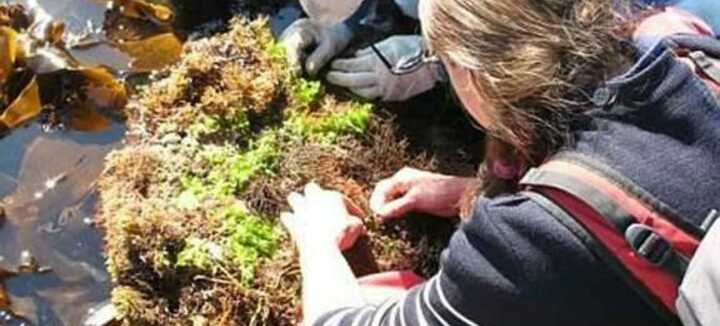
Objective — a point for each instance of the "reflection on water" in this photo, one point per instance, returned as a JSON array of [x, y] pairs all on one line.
[[47, 183], [47, 179]]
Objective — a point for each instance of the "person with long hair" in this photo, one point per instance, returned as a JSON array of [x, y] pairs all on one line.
[[561, 87]]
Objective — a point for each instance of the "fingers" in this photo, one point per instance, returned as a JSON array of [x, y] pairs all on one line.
[[355, 64], [313, 189], [365, 52], [369, 93], [396, 208], [297, 39], [296, 201], [386, 191], [319, 58], [352, 232], [352, 80], [392, 197], [288, 220], [363, 84], [353, 208]]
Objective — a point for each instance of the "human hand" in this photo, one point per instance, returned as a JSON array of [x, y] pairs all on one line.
[[304, 34], [366, 75], [324, 216], [412, 190]]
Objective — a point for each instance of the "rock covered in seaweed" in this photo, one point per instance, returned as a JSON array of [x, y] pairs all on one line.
[[215, 144]]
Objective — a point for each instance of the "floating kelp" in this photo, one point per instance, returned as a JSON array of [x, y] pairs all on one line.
[[15, 16], [144, 31], [215, 145], [8, 52], [23, 107], [140, 9], [153, 52], [37, 75]]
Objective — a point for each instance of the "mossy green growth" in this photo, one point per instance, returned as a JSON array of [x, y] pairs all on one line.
[[200, 253], [237, 125], [276, 50], [355, 120], [245, 239], [329, 127], [232, 174], [307, 93], [248, 238], [230, 169]]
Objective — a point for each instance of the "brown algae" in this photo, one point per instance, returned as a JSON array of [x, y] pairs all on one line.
[[215, 144]]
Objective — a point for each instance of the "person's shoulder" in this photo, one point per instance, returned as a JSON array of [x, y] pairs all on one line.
[[512, 263], [513, 232], [512, 213], [512, 255]]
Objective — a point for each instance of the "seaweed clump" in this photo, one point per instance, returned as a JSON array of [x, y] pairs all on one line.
[[215, 143]]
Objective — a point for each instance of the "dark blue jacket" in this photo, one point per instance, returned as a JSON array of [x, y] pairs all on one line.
[[515, 264]]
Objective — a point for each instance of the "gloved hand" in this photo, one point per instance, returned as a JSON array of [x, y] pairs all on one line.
[[367, 76], [305, 33]]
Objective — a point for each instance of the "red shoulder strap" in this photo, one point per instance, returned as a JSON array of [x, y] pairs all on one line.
[[650, 250]]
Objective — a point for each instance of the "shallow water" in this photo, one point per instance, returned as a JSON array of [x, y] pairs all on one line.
[[47, 183], [47, 188]]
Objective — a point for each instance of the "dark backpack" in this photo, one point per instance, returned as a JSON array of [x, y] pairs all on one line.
[[673, 264]]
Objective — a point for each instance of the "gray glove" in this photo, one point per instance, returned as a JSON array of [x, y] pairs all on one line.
[[305, 33], [327, 12], [366, 75]]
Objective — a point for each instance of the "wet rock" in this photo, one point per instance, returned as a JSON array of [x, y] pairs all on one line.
[[29, 264]]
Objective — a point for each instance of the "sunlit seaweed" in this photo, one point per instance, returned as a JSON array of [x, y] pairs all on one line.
[[216, 143]]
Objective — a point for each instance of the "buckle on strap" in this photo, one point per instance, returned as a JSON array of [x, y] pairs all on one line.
[[642, 238], [710, 66], [648, 244], [657, 250]]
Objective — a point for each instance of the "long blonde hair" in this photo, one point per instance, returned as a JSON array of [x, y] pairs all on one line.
[[532, 61]]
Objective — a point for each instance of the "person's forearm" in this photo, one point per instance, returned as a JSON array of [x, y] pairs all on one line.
[[328, 281]]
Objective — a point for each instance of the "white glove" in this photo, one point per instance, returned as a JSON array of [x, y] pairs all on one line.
[[305, 33], [367, 76]]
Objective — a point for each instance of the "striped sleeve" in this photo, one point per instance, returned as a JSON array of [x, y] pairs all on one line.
[[512, 264], [429, 304]]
